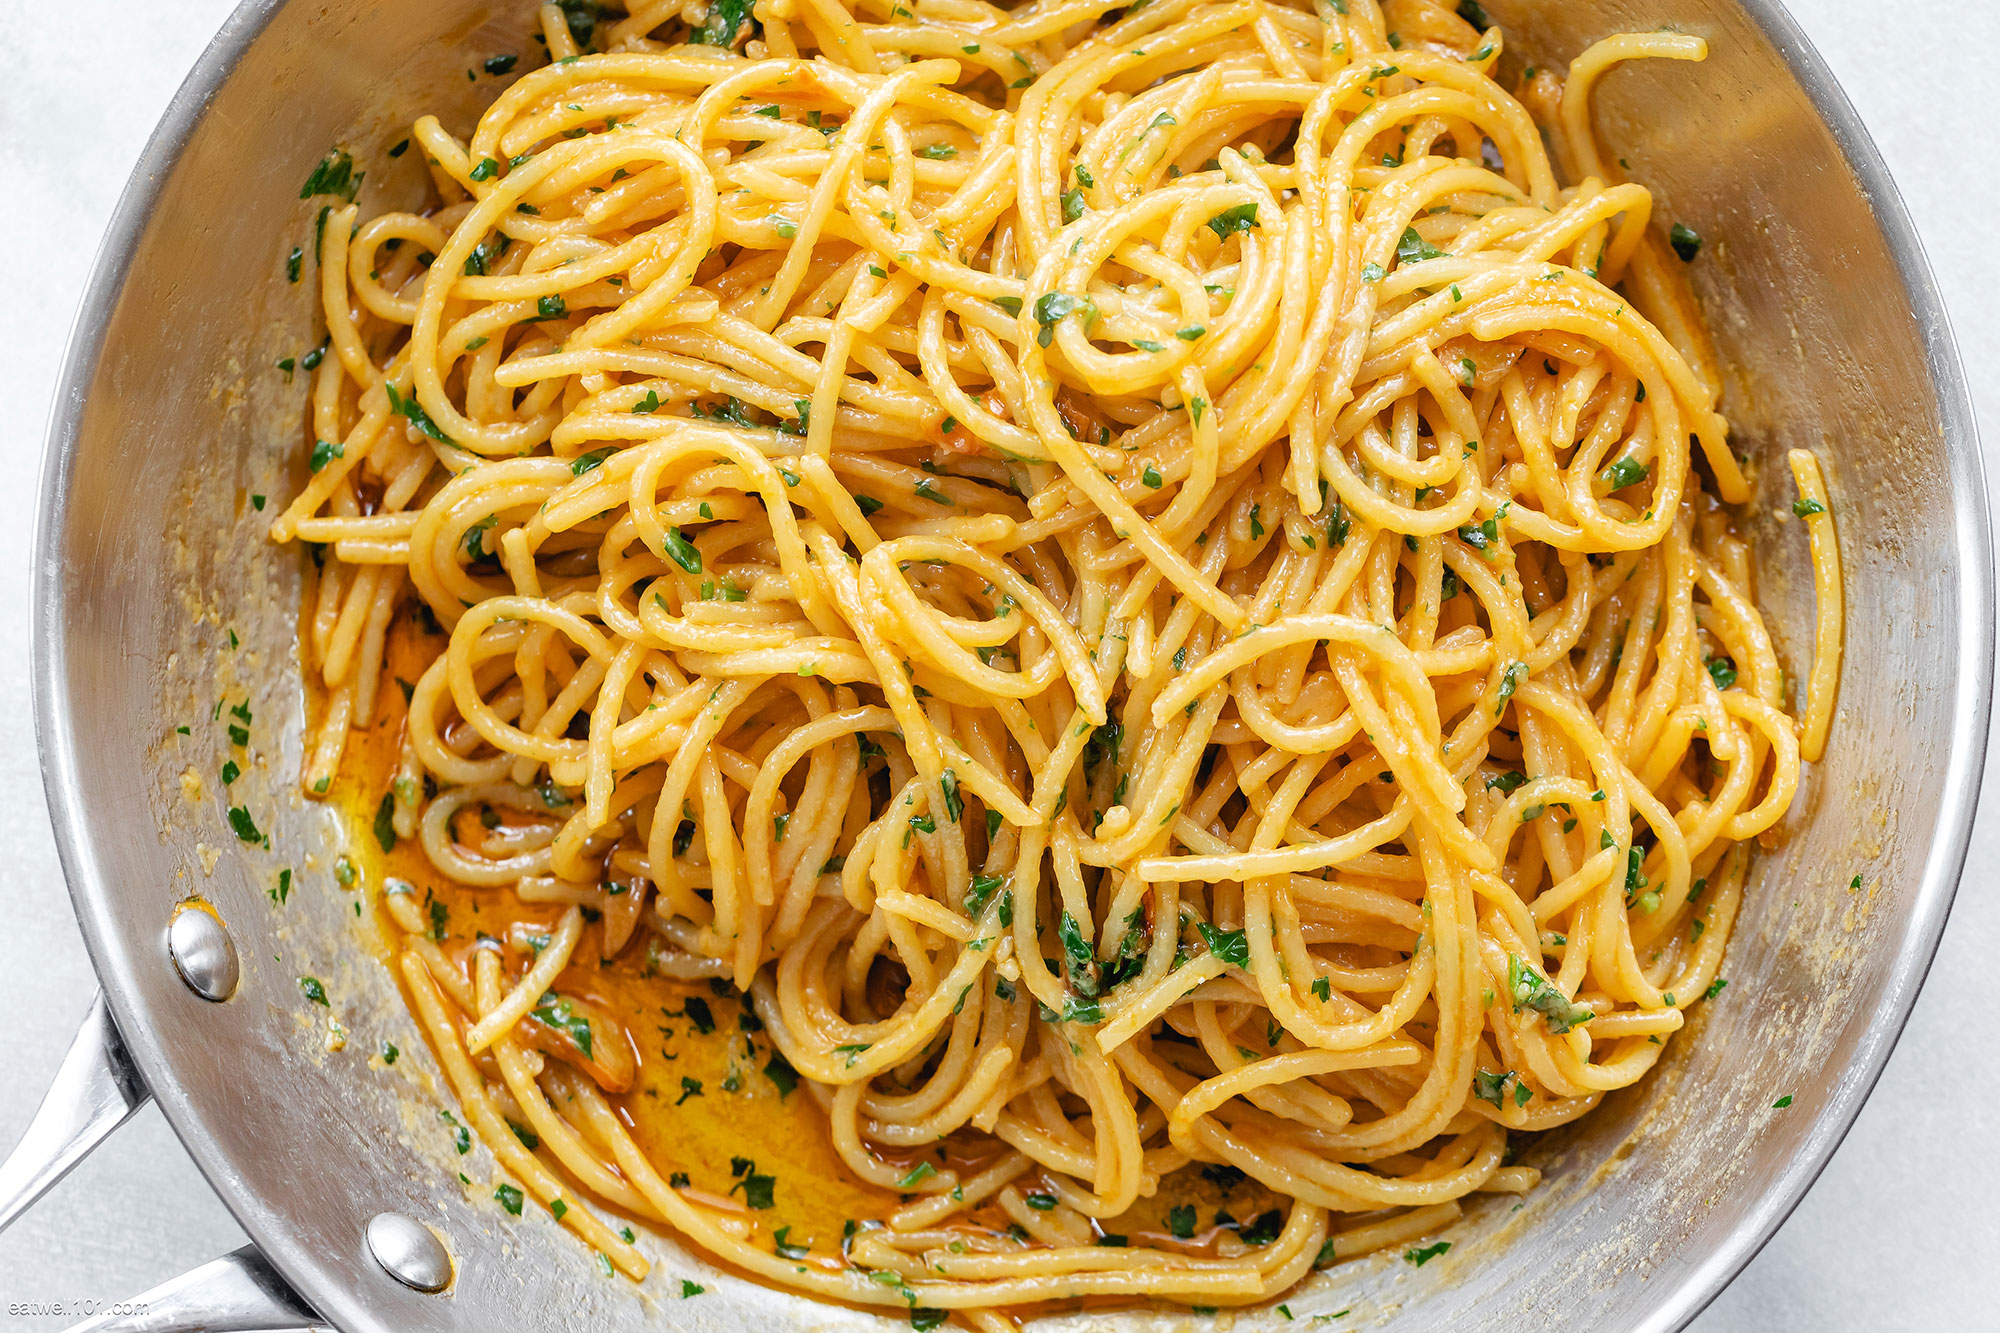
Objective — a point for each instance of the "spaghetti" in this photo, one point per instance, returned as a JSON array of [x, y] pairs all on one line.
[[1147, 583]]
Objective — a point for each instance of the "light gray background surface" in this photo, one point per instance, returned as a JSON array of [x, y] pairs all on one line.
[[1900, 1233]]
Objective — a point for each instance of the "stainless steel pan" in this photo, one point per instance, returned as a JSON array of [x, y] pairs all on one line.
[[150, 555]]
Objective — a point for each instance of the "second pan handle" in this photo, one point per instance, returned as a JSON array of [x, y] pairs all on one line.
[[238, 1293], [96, 1090]]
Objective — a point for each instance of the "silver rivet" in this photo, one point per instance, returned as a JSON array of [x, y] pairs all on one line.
[[409, 1251], [204, 954]]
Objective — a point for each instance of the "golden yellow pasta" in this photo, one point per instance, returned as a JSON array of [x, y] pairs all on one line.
[[1144, 597]]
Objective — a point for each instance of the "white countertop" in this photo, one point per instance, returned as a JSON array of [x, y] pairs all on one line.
[[1900, 1232]]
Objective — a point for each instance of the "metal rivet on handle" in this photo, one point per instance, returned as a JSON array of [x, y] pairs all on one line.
[[204, 954], [409, 1252]]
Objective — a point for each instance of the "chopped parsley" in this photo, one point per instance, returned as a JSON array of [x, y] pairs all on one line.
[[1422, 1256], [725, 22], [555, 1012], [486, 254], [1231, 946], [982, 890], [1241, 217], [1531, 990], [1082, 963], [1686, 241], [1266, 1228], [1510, 680], [1051, 308], [334, 175], [1483, 537], [1488, 1086], [757, 1189], [1088, 1012], [410, 408], [1624, 473], [682, 551], [1414, 249], [385, 822]]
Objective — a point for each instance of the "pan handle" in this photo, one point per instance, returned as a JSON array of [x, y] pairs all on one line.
[[234, 1294], [95, 1091]]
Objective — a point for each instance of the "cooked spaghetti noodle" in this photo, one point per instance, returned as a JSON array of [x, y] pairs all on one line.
[[1152, 586]]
